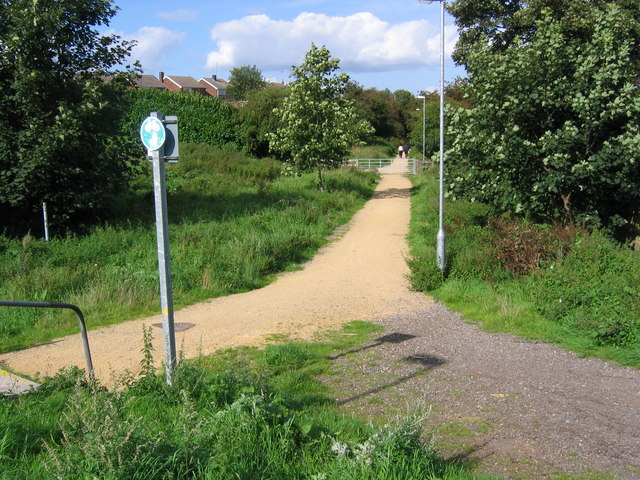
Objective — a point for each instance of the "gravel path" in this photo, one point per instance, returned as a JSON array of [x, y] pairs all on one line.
[[517, 408], [520, 409]]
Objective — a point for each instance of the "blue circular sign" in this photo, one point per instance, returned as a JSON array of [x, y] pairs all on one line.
[[152, 133]]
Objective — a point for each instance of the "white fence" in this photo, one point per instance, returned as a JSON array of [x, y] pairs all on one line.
[[400, 166]]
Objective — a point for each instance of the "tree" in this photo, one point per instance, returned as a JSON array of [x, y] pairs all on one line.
[[497, 24], [318, 125], [243, 81], [405, 98], [58, 140], [554, 131], [257, 119], [379, 108]]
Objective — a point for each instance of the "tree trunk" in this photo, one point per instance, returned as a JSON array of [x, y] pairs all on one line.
[[320, 180], [566, 201]]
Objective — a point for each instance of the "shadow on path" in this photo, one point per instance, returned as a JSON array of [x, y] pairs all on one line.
[[426, 361], [392, 193], [388, 338]]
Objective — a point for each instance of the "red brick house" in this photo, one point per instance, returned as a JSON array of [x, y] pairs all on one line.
[[215, 87], [149, 81], [176, 83]]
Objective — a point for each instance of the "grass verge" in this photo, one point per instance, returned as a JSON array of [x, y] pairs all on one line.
[[244, 413], [234, 223], [567, 286]]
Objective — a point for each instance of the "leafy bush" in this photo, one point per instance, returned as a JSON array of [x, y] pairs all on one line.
[[201, 119], [553, 133], [59, 139], [594, 289]]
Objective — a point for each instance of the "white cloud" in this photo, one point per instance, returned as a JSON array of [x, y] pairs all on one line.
[[154, 43], [179, 15], [362, 42]]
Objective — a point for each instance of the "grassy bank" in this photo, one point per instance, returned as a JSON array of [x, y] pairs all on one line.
[[563, 285], [234, 223], [246, 414]]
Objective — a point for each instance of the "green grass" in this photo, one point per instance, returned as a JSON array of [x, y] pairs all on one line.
[[244, 413], [234, 224], [583, 296]]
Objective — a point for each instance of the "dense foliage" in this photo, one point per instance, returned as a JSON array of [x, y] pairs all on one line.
[[244, 80], [59, 140], [201, 119], [431, 120], [257, 119], [318, 125], [555, 129], [380, 109]]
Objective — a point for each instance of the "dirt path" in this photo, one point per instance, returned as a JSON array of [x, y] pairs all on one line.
[[519, 409], [360, 276]]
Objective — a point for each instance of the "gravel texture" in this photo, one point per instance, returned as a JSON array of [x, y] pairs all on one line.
[[517, 408]]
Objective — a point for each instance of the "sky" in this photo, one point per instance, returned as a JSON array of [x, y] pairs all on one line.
[[392, 44]]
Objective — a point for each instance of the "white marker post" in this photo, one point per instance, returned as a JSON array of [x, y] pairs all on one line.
[[154, 137]]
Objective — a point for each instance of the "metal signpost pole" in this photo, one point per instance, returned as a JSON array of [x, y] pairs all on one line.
[[45, 219], [441, 238], [162, 234]]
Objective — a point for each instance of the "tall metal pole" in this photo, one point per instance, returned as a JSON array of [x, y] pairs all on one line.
[[45, 220], [164, 262], [441, 238], [424, 125]]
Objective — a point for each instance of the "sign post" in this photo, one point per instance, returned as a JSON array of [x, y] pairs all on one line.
[[156, 137]]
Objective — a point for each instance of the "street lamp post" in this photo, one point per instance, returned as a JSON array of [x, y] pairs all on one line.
[[424, 131], [441, 237]]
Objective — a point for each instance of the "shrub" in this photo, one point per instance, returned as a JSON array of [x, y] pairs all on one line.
[[201, 119], [594, 289], [521, 246]]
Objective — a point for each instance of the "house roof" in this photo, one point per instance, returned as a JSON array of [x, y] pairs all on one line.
[[184, 82], [216, 83], [149, 81]]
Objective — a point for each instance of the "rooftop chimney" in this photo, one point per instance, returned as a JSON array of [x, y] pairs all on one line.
[[161, 76], [215, 77]]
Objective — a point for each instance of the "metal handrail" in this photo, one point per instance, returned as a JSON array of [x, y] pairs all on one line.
[[81, 322]]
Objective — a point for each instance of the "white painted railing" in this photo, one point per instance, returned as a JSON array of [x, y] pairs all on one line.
[[401, 166]]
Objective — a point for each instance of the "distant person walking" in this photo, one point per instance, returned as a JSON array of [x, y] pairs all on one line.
[[407, 149], [400, 150]]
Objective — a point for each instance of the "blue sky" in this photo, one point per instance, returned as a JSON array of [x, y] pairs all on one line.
[[383, 44]]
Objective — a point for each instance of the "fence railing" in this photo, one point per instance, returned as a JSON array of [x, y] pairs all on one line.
[[81, 322], [411, 166]]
